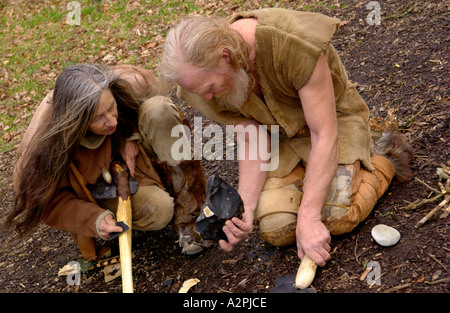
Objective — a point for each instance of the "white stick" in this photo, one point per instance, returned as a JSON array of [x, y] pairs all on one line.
[[305, 274]]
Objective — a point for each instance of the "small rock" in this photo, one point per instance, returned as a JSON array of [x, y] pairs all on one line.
[[168, 282], [385, 235]]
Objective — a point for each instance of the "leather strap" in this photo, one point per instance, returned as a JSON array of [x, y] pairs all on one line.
[[78, 183], [278, 200]]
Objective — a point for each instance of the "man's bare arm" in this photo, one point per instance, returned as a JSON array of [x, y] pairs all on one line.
[[251, 181], [318, 102]]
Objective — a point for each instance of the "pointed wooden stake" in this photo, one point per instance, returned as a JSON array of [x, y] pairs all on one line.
[[124, 214]]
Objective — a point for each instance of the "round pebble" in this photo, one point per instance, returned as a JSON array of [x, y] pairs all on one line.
[[385, 235]]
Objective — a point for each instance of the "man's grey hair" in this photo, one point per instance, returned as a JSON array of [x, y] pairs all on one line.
[[200, 41]]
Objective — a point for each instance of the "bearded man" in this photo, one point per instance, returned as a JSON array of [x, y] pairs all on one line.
[[278, 67]]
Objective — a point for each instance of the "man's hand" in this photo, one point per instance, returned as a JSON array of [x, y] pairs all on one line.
[[107, 226], [251, 181], [236, 230], [313, 239], [129, 153]]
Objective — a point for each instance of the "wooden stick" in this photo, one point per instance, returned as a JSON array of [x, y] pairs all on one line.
[[305, 273], [418, 204], [439, 262], [426, 185], [432, 212], [445, 213], [124, 214], [445, 168]]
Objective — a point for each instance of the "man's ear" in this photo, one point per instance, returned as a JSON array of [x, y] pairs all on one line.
[[226, 55]]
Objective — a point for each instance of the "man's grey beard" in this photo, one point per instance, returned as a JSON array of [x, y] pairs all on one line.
[[238, 95]]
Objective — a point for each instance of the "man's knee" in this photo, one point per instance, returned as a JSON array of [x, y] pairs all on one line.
[[157, 108], [342, 215], [161, 126], [276, 213], [351, 197], [278, 229]]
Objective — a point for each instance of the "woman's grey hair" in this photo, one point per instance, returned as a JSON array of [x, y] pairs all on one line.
[[76, 96], [47, 159]]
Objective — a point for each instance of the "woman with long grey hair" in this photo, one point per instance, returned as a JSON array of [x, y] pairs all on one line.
[[96, 114]]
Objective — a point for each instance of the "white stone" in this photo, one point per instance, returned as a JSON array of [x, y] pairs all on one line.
[[385, 235]]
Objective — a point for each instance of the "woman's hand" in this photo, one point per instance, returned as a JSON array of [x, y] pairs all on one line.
[[129, 153], [107, 226]]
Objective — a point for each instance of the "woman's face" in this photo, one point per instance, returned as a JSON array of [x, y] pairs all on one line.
[[104, 121]]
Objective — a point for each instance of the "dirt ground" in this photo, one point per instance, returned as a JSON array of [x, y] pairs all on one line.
[[402, 71]]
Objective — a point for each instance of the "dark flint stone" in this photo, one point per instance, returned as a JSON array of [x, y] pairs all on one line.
[[286, 284], [222, 200], [114, 235], [102, 190]]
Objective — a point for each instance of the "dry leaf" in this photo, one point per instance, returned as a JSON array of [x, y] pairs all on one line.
[[68, 269], [112, 272], [188, 284]]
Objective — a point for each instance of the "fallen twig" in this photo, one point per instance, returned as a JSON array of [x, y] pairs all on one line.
[[426, 185], [412, 118], [439, 262], [404, 13], [443, 205], [418, 204], [445, 168], [432, 212], [443, 280], [397, 288]]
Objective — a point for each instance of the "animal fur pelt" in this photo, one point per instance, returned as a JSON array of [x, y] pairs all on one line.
[[186, 183], [398, 151]]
